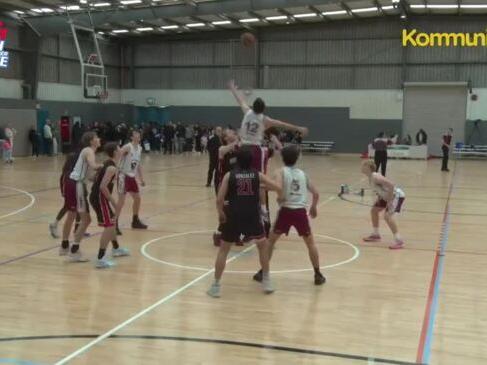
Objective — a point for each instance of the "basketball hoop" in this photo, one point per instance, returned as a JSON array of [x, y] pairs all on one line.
[[103, 97]]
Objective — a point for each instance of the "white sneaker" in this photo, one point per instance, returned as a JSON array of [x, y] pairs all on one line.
[[267, 286], [121, 251], [104, 264], [214, 291], [63, 251], [77, 257], [53, 230]]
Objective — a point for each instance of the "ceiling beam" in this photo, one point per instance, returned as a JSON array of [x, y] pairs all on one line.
[[55, 24], [289, 15]]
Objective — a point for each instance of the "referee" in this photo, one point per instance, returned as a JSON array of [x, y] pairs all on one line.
[[214, 144], [445, 148], [380, 156]]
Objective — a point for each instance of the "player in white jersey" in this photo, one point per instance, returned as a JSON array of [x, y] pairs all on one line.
[[254, 124], [76, 194], [293, 202], [390, 198], [130, 169]]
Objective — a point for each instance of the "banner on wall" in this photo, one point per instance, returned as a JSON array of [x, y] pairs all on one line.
[[4, 55]]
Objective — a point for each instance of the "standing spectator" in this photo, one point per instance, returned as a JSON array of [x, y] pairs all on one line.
[[7, 151], [204, 142], [198, 134], [180, 134], [214, 145], [76, 135], [34, 141], [168, 133], [380, 155], [47, 135], [189, 136], [10, 133], [445, 148], [421, 137]]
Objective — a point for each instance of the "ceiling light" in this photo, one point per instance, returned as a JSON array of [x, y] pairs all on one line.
[[120, 31], [364, 10], [70, 7], [395, 1], [249, 20], [279, 17], [130, 2], [146, 29], [403, 16], [83, 1], [473, 6], [195, 25], [101, 33], [98, 5], [389, 7], [305, 15], [170, 27], [418, 6], [19, 12], [222, 22], [338, 12], [446, 6], [47, 10], [36, 10]]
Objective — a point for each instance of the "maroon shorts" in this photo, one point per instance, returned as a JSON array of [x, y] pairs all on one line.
[[103, 210], [297, 218], [76, 196], [260, 157], [127, 184], [396, 204]]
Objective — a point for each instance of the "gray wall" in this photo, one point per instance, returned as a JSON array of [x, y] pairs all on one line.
[[330, 124], [351, 54], [90, 112], [22, 120]]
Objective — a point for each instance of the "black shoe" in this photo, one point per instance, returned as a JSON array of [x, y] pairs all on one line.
[[258, 276], [137, 224], [319, 279], [119, 232]]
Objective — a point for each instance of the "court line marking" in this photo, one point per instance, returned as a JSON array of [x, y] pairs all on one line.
[[144, 252], [145, 311], [30, 204], [370, 360], [427, 329], [155, 305]]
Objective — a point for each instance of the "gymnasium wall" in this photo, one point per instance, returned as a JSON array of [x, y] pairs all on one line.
[[22, 120]]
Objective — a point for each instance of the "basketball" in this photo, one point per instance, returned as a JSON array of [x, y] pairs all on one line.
[[248, 39]]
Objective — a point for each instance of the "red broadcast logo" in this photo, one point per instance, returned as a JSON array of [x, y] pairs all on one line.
[[3, 32]]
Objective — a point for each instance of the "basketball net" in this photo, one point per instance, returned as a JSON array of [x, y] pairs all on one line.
[[102, 96]]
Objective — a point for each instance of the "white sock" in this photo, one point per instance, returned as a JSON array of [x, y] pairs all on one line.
[[263, 208], [397, 237], [376, 231], [217, 282], [265, 276]]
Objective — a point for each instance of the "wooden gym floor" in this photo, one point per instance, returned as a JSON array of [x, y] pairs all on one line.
[[378, 306]]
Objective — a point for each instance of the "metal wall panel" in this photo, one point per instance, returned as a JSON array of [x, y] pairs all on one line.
[[151, 54], [329, 77], [381, 51], [110, 53], [477, 74], [433, 54], [283, 53], [49, 45], [70, 72], [245, 77], [48, 69], [330, 52], [67, 47], [243, 56], [148, 78], [191, 53], [113, 74], [433, 73], [285, 78], [377, 77], [223, 53], [193, 78]]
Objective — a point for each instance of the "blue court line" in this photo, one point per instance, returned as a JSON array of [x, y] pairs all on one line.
[[424, 351], [17, 362]]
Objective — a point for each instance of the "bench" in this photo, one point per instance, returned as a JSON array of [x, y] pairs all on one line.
[[317, 146], [462, 150]]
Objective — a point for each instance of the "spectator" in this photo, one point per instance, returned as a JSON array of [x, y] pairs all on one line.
[[7, 151], [47, 135], [380, 156], [421, 137], [408, 141], [214, 145], [180, 137], [76, 135], [445, 148], [34, 141], [10, 133], [189, 136]]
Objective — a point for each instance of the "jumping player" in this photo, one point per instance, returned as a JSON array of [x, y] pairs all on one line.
[[254, 124], [293, 202], [75, 196], [104, 204], [130, 169], [389, 198], [240, 187]]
